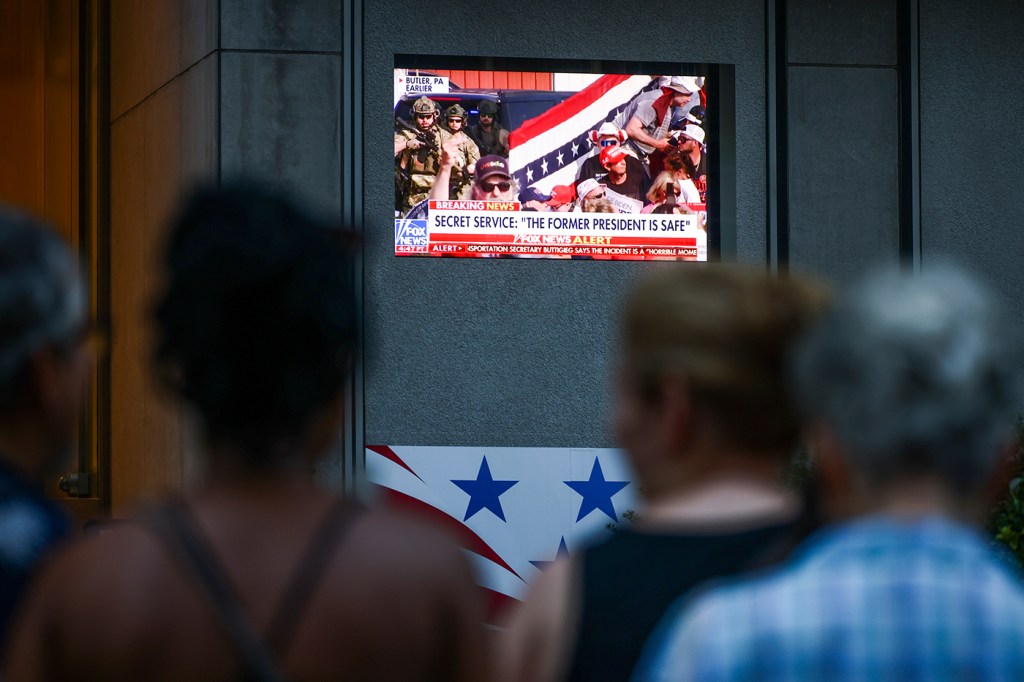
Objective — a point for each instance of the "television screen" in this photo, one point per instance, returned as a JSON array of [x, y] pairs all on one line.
[[535, 164]]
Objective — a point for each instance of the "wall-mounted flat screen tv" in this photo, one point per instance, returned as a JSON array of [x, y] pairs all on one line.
[[565, 163]]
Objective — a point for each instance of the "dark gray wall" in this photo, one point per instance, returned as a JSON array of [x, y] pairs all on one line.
[[280, 95], [520, 352], [843, 135], [972, 118]]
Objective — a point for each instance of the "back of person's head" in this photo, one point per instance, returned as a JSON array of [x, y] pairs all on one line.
[[726, 331], [660, 187], [915, 376], [42, 300], [257, 325]]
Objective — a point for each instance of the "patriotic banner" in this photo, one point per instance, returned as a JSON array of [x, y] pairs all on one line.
[[513, 510], [548, 150]]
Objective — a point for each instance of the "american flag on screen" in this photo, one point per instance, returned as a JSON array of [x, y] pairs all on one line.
[[548, 150], [513, 510]]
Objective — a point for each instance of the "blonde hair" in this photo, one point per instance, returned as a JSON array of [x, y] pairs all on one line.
[[601, 205], [657, 193], [727, 332]]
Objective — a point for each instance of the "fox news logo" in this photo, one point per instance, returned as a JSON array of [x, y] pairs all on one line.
[[411, 236]]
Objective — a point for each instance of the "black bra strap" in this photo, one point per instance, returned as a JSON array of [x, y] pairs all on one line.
[[173, 526], [179, 532], [308, 574]]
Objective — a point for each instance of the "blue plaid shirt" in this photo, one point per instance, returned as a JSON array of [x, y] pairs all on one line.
[[875, 599]]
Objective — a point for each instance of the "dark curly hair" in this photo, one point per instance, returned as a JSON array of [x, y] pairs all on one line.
[[257, 325]]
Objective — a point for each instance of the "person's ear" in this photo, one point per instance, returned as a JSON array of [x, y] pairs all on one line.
[[1006, 469], [46, 370], [835, 478]]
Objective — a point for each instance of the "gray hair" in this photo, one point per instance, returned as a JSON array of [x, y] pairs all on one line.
[[916, 376], [42, 299]]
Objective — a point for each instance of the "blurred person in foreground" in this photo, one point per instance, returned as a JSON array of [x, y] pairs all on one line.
[[704, 416], [911, 385], [44, 370], [257, 574]]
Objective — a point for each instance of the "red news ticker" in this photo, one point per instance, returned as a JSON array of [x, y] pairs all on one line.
[[562, 250], [468, 205], [572, 240]]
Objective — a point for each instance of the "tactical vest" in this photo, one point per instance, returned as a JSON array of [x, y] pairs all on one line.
[[488, 143]]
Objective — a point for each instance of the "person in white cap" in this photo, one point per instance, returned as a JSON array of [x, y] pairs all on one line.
[[691, 145], [608, 136], [651, 114], [589, 191]]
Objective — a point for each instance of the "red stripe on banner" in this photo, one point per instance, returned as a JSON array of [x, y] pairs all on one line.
[[387, 453], [565, 110], [496, 605], [463, 533]]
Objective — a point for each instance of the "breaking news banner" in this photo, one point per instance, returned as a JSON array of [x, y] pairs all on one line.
[[512, 510], [576, 184], [491, 228]]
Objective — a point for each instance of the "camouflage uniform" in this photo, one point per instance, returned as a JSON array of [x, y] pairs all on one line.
[[469, 154], [417, 168], [495, 141]]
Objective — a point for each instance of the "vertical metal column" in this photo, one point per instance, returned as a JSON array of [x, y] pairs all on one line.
[[353, 463], [776, 105], [910, 135]]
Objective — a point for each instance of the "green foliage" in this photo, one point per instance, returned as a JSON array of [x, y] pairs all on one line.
[[1006, 522], [629, 517]]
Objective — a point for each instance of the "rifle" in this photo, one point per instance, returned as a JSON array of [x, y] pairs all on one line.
[[429, 143]]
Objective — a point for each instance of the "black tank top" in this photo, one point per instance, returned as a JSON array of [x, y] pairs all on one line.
[[630, 581]]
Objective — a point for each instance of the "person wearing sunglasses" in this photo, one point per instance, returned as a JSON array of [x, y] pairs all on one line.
[[588, 192], [605, 139], [468, 154], [492, 180], [488, 134]]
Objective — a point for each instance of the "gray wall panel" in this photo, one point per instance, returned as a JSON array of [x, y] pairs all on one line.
[[844, 201], [306, 26], [520, 352], [280, 121], [841, 31], [972, 171]]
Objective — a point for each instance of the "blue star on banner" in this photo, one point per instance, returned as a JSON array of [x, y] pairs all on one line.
[[562, 551], [597, 493], [484, 492]]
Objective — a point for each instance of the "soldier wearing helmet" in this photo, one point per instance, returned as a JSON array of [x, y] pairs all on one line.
[[490, 137], [417, 154], [466, 156]]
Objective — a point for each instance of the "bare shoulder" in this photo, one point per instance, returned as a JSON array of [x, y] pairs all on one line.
[[537, 643], [405, 544], [92, 576], [125, 552]]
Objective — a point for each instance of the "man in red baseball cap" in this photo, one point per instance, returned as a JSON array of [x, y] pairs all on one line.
[[618, 178], [609, 138], [562, 197]]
